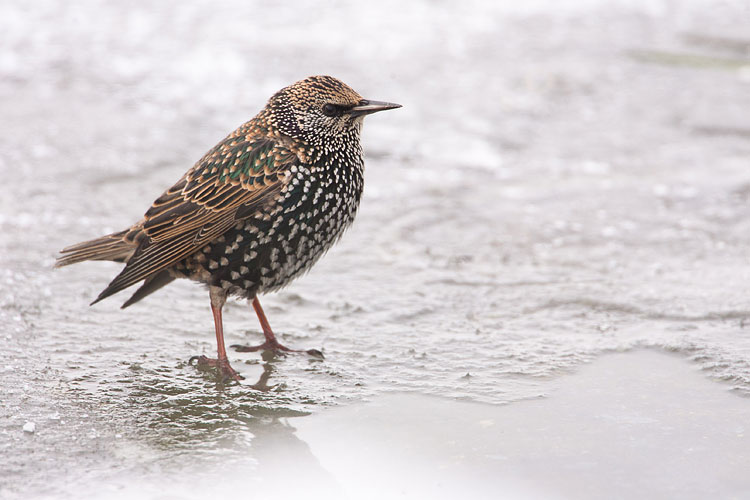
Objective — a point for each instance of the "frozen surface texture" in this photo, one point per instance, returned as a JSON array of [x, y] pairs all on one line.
[[565, 180]]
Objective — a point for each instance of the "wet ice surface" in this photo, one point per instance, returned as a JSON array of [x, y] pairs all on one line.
[[648, 419], [561, 183], [627, 426]]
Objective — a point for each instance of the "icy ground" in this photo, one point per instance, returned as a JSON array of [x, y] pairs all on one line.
[[565, 180]]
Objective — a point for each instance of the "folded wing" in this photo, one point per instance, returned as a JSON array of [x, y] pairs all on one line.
[[237, 178]]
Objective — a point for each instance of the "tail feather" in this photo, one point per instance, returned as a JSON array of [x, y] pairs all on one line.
[[118, 248], [152, 284], [111, 247]]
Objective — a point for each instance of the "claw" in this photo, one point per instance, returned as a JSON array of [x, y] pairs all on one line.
[[315, 353], [274, 347], [223, 366]]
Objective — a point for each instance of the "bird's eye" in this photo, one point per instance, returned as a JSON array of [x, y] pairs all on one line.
[[331, 110]]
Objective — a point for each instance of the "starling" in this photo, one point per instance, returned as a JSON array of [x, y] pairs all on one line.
[[258, 210]]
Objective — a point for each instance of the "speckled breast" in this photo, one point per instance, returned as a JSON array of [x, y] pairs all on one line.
[[266, 251]]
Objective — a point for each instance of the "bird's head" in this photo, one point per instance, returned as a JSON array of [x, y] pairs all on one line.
[[320, 109]]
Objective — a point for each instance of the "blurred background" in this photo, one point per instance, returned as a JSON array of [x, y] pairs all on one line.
[[564, 180]]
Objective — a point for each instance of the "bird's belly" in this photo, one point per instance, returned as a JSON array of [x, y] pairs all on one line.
[[297, 245], [266, 253]]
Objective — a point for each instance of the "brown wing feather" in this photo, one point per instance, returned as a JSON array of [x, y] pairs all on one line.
[[239, 175]]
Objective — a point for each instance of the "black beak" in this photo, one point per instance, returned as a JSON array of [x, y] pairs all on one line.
[[366, 107]]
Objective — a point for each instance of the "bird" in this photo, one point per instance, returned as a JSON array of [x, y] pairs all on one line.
[[254, 213]]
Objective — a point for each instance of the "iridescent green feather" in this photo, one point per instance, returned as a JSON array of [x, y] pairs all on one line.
[[249, 162]]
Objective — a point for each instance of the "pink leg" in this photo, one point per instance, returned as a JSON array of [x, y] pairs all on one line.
[[218, 298], [271, 344]]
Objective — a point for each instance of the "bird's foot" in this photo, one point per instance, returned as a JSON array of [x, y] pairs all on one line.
[[222, 365], [276, 347]]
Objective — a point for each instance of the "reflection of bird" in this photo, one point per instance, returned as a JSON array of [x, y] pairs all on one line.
[[256, 211]]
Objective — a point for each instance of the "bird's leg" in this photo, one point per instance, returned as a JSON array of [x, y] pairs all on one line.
[[271, 341], [271, 344], [218, 298]]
